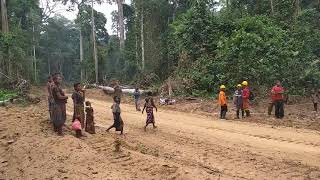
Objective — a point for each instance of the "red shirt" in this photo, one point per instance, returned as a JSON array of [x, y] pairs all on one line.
[[246, 93], [277, 93]]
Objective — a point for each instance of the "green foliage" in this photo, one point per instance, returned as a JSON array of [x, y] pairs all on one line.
[[6, 95]]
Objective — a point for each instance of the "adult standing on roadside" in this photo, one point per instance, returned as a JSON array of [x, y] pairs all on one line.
[[277, 98], [78, 98], [59, 114], [245, 98]]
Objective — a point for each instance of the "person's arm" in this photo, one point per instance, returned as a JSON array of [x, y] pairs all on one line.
[[224, 99], [59, 95]]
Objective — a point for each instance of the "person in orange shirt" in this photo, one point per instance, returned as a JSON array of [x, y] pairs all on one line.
[[223, 102]]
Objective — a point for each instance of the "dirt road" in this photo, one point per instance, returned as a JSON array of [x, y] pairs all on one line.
[[185, 146]]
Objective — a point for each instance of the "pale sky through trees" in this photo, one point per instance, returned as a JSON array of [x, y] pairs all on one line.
[[105, 8]]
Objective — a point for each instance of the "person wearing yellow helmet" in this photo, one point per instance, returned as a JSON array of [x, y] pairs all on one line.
[[245, 83], [238, 102], [245, 97], [222, 100]]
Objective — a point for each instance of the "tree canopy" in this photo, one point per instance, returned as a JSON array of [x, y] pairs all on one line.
[[200, 44]]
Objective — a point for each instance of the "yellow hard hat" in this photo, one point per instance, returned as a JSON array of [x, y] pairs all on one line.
[[245, 83], [239, 85], [222, 87]]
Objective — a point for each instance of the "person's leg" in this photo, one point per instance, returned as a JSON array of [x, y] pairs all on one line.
[[281, 109], [78, 133], [315, 105], [145, 127], [238, 113], [277, 109], [136, 103], [112, 126], [247, 112], [59, 130], [224, 110], [270, 108], [221, 112]]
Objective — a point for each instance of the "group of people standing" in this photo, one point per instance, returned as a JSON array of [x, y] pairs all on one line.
[[242, 97], [57, 101], [83, 117]]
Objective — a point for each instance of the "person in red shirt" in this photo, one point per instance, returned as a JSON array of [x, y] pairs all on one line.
[[245, 98], [277, 98]]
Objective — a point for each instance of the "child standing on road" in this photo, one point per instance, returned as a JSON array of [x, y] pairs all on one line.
[[237, 100], [118, 123], [89, 119], [149, 105], [223, 102]]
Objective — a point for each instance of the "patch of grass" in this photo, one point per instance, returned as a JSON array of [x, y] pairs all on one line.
[[6, 94]]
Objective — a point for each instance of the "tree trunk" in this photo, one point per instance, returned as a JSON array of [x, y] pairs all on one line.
[[175, 4], [81, 55], [272, 7], [34, 56], [94, 45], [136, 16], [296, 9], [121, 23], [227, 3], [48, 57], [4, 17], [142, 37]]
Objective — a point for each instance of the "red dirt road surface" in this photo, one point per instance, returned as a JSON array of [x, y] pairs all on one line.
[[184, 146]]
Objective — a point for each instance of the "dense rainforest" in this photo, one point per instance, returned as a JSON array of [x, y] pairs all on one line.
[[198, 44]]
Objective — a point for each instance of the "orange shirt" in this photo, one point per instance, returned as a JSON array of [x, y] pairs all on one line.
[[222, 98]]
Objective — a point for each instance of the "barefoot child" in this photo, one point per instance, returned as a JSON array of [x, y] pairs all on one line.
[[118, 123], [76, 126], [149, 105], [89, 119]]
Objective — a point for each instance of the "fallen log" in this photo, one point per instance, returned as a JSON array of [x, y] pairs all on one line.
[[110, 90]]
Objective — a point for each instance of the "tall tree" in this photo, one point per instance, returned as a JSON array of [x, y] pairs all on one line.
[[121, 23], [4, 16], [94, 45]]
